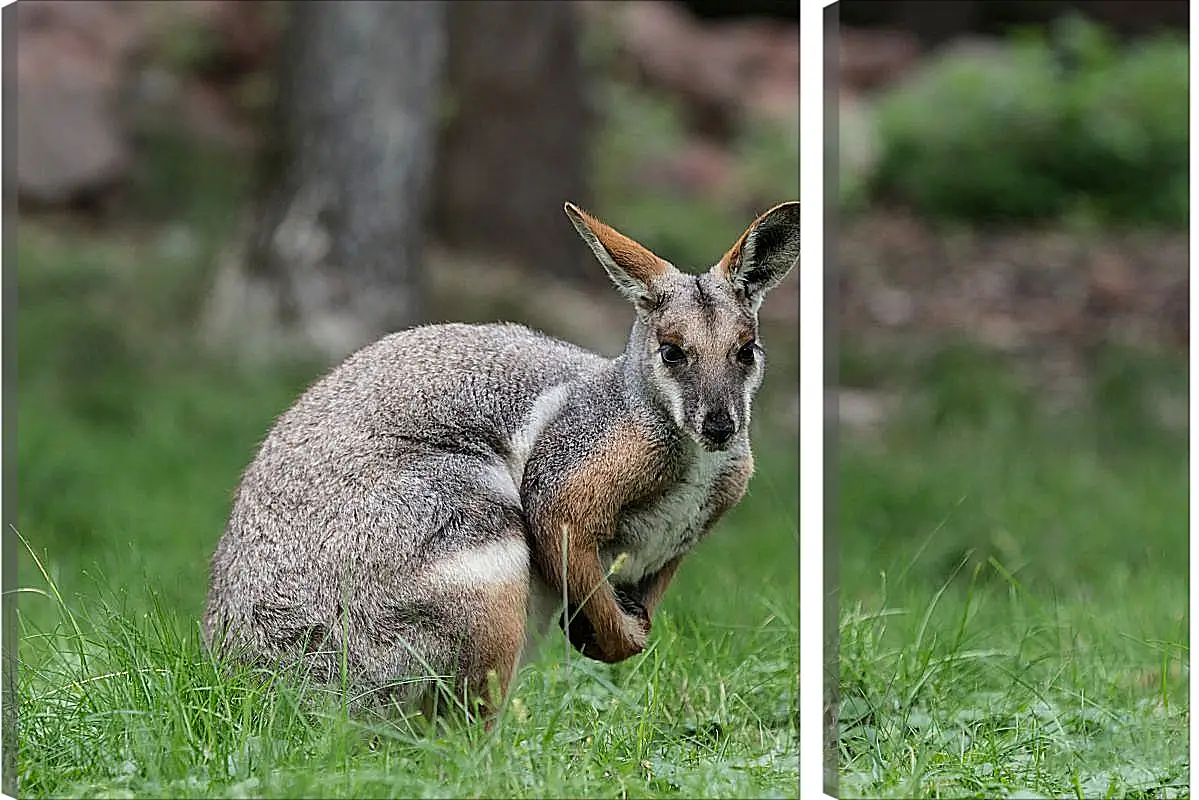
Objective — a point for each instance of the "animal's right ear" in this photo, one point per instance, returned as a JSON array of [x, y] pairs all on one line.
[[764, 254], [632, 267]]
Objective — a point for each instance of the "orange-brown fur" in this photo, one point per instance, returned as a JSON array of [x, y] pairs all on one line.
[[499, 634], [634, 257], [625, 468]]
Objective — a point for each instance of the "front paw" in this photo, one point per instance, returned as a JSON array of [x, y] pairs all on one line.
[[635, 634], [634, 608], [635, 629]]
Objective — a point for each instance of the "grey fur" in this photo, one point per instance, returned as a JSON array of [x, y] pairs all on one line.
[[409, 454]]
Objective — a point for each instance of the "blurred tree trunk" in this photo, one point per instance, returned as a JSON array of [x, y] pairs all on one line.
[[515, 147], [333, 257]]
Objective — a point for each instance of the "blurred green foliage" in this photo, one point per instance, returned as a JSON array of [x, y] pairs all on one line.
[[1068, 124]]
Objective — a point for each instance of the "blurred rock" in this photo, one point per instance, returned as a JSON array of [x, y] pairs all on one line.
[[1030, 290], [722, 70], [1000, 331], [870, 59], [1112, 287], [90, 73], [891, 307], [71, 66], [109, 29]]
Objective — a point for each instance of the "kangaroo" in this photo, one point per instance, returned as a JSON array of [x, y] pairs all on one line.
[[430, 508]]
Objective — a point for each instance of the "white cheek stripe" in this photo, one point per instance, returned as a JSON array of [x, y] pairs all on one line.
[[670, 390]]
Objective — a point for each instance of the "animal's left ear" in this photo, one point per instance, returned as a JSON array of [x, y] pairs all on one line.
[[763, 255]]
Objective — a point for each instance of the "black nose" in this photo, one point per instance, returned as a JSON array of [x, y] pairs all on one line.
[[718, 426]]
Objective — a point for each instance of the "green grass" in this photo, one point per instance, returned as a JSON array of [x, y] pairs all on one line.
[[1014, 584], [130, 442]]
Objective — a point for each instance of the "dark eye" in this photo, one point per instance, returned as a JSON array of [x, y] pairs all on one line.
[[672, 354], [748, 353]]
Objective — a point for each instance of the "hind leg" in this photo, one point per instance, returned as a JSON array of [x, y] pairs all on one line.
[[499, 612], [481, 597], [454, 604]]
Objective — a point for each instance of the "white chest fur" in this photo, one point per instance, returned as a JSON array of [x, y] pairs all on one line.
[[672, 524]]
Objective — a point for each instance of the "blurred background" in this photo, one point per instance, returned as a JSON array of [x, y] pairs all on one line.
[[1013, 225], [1011, 391], [218, 200]]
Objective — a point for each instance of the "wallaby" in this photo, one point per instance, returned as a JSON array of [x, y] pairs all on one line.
[[448, 492]]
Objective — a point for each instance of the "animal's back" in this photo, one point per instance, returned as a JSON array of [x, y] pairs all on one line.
[[400, 458], [453, 385]]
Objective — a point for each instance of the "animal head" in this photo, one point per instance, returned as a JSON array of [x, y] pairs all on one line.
[[695, 338]]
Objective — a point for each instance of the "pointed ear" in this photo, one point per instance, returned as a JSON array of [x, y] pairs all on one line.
[[764, 254], [632, 267]]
